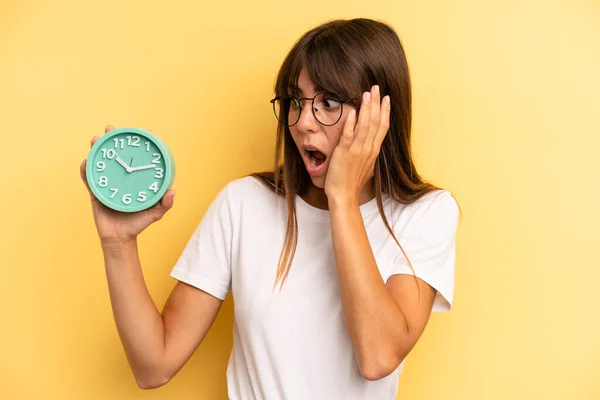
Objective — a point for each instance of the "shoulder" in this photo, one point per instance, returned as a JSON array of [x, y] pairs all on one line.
[[247, 192], [437, 202], [436, 212], [248, 187]]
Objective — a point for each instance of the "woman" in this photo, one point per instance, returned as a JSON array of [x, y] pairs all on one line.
[[335, 259]]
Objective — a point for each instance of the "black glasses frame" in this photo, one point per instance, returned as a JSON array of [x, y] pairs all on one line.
[[312, 108]]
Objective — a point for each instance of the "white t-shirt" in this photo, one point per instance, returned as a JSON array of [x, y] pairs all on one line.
[[293, 344]]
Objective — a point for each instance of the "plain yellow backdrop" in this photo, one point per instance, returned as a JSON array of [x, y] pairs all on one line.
[[506, 116]]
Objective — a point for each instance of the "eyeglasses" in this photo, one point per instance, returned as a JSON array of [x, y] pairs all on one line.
[[326, 109]]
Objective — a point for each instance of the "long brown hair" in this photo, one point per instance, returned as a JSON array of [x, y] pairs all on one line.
[[346, 58]]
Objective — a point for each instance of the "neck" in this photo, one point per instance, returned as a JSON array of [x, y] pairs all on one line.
[[316, 196]]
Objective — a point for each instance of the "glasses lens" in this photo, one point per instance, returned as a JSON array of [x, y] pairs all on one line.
[[328, 110], [287, 110]]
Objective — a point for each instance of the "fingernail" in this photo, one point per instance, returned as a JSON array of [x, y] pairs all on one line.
[[386, 99], [376, 89], [366, 96]]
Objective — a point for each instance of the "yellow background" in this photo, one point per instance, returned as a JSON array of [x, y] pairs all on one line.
[[506, 115]]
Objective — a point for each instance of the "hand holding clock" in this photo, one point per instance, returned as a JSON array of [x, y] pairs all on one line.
[[114, 226]]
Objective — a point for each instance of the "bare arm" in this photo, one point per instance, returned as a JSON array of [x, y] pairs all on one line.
[[156, 345], [384, 322]]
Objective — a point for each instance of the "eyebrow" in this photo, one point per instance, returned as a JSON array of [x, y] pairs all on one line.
[[296, 89]]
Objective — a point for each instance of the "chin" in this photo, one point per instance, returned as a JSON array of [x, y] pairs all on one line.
[[318, 181]]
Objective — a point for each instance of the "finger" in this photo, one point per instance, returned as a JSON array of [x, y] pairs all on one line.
[[375, 114], [94, 140], [107, 129], [164, 205], [349, 127], [168, 200], [384, 125], [83, 175], [364, 119]]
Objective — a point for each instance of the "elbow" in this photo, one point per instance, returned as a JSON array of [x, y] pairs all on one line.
[[378, 368], [151, 381], [150, 384], [375, 373]]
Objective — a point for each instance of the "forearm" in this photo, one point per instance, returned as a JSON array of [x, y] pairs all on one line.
[[139, 323], [374, 321]]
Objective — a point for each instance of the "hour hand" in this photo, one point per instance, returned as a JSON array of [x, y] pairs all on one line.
[[143, 167], [127, 167]]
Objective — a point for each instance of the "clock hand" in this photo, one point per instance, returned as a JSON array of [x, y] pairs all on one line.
[[143, 167], [127, 167]]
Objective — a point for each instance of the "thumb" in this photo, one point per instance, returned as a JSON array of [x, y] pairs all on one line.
[[165, 204], [168, 200]]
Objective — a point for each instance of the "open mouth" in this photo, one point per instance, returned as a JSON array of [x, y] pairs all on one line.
[[315, 161], [316, 157]]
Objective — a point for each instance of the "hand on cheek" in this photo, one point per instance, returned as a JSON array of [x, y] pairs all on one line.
[[353, 160]]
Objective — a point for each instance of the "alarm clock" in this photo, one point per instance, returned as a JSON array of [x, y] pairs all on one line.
[[129, 169]]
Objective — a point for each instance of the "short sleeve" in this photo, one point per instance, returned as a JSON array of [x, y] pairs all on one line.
[[428, 239], [206, 259]]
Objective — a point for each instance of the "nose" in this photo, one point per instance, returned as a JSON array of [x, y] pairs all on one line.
[[307, 122]]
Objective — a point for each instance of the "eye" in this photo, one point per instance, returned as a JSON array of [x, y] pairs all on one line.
[[330, 103], [295, 103], [327, 102]]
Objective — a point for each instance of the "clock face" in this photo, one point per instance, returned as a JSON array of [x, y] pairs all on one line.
[[129, 169]]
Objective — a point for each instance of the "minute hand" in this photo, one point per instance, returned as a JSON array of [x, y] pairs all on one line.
[[143, 167]]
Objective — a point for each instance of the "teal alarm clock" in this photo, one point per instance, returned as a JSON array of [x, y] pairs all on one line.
[[130, 169]]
